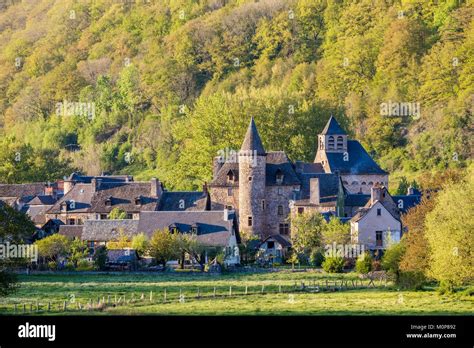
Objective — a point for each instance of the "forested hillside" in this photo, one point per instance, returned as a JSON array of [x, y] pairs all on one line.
[[168, 83]]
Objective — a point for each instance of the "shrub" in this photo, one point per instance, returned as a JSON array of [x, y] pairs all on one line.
[[52, 265], [316, 257], [100, 257], [391, 260], [445, 287], [333, 264], [84, 265], [412, 279], [364, 264]]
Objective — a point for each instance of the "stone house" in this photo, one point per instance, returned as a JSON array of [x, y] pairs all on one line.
[[378, 223]]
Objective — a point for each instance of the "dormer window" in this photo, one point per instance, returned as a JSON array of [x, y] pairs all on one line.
[[64, 206], [173, 229], [108, 202], [138, 201], [279, 177], [231, 176], [194, 229], [331, 143]]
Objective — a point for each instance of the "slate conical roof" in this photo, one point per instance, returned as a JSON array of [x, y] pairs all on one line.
[[332, 127], [252, 141]]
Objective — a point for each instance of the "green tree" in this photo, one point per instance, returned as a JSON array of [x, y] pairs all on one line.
[[100, 257], [449, 229], [336, 231], [164, 246], [117, 214], [53, 247], [364, 263], [16, 228], [306, 232], [78, 251], [391, 259], [140, 243]]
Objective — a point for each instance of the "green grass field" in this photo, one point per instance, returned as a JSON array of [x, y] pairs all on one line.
[[193, 294]]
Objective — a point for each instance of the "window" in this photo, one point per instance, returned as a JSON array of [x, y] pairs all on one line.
[[263, 204], [194, 230], [379, 212], [280, 210], [331, 143], [229, 207], [354, 183], [364, 183], [321, 144], [71, 221], [378, 238], [300, 210], [129, 216], [230, 176], [249, 222], [250, 178], [108, 202], [371, 183], [270, 244], [280, 191], [138, 201], [340, 142], [284, 229], [103, 216], [229, 191], [279, 177]]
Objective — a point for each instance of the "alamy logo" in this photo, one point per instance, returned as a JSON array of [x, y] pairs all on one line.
[[228, 155], [37, 331], [396, 109], [19, 251], [66, 108]]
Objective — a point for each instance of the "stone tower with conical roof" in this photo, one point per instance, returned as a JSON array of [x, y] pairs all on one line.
[[252, 167]]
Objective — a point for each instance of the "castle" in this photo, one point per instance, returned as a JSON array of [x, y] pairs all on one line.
[[265, 188]]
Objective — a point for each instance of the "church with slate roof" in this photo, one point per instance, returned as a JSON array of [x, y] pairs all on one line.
[[265, 187]]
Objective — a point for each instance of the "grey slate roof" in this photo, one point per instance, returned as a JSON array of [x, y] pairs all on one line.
[[332, 127], [85, 179], [25, 192], [328, 187], [282, 240], [170, 201], [356, 200], [409, 201], [107, 230], [42, 200], [121, 194], [359, 161], [71, 231], [252, 141], [276, 160], [213, 230], [122, 255]]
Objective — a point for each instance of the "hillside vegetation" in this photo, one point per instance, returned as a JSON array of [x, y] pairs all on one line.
[[166, 84]]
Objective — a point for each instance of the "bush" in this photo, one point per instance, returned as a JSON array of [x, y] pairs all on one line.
[[84, 265], [445, 288], [100, 257], [333, 264], [412, 280], [52, 265], [316, 257], [376, 265], [364, 264]]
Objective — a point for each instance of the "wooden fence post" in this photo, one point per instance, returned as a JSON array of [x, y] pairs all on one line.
[[246, 289], [49, 306], [65, 306], [24, 308], [151, 296], [263, 288], [230, 290], [214, 291], [164, 299]]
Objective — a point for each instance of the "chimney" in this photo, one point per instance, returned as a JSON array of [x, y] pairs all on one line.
[[226, 214], [376, 193], [67, 186], [314, 195], [96, 182], [156, 188]]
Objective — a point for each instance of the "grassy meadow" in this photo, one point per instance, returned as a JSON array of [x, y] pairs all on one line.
[[277, 293]]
